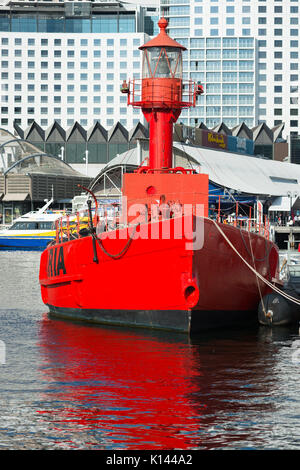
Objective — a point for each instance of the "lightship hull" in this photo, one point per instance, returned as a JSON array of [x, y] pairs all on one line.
[[158, 283]]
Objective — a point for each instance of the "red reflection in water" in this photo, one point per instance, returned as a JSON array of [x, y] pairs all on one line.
[[134, 388]]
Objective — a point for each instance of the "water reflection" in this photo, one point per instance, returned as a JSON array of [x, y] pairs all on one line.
[[131, 389]]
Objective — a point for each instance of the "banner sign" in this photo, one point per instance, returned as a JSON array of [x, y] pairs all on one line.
[[214, 140]]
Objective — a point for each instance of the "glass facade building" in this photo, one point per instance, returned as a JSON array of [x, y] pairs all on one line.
[[66, 61], [35, 23], [269, 29]]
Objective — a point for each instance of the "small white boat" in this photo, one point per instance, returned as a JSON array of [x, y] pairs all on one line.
[[31, 231]]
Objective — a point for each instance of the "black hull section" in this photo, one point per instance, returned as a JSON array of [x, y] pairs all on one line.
[[189, 322]]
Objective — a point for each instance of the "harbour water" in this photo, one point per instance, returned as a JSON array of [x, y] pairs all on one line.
[[73, 386]]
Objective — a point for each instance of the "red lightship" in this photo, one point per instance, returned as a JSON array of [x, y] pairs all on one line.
[[165, 264]]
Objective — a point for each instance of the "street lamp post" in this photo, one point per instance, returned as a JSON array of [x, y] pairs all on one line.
[[86, 159], [62, 149], [290, 199]]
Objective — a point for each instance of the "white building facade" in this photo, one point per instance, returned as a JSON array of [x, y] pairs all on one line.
[[65, 62], [257, 42]]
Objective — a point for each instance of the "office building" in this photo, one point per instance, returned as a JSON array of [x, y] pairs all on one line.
[[65, 61], [247, 55]]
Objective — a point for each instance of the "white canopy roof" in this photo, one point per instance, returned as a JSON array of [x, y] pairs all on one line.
[[247, 174]]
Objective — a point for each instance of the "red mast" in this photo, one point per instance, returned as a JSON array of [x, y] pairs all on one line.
[[162, 94]]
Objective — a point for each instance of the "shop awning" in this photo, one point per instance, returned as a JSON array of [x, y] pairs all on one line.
[[283, 204], [15, 197]]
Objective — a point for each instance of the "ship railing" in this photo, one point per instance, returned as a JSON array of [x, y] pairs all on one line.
[[147, 93], [79, 225], [110, 217], [261, 227]]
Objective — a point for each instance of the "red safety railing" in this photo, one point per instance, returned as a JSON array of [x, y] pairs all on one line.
[[158, 93]]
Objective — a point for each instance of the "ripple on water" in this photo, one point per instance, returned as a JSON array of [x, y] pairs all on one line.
[[66, 385]]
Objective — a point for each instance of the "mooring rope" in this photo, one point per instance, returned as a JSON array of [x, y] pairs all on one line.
[[272, 286]]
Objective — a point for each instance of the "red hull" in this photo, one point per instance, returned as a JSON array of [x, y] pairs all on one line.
[[158, 282]]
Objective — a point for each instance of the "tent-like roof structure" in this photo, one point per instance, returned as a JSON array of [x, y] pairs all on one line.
[[250, 175], [19, 156], [241, 173]]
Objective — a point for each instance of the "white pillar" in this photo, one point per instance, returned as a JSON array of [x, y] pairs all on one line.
[[86, 162]]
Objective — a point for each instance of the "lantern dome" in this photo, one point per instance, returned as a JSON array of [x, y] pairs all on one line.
[[162, 39]]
